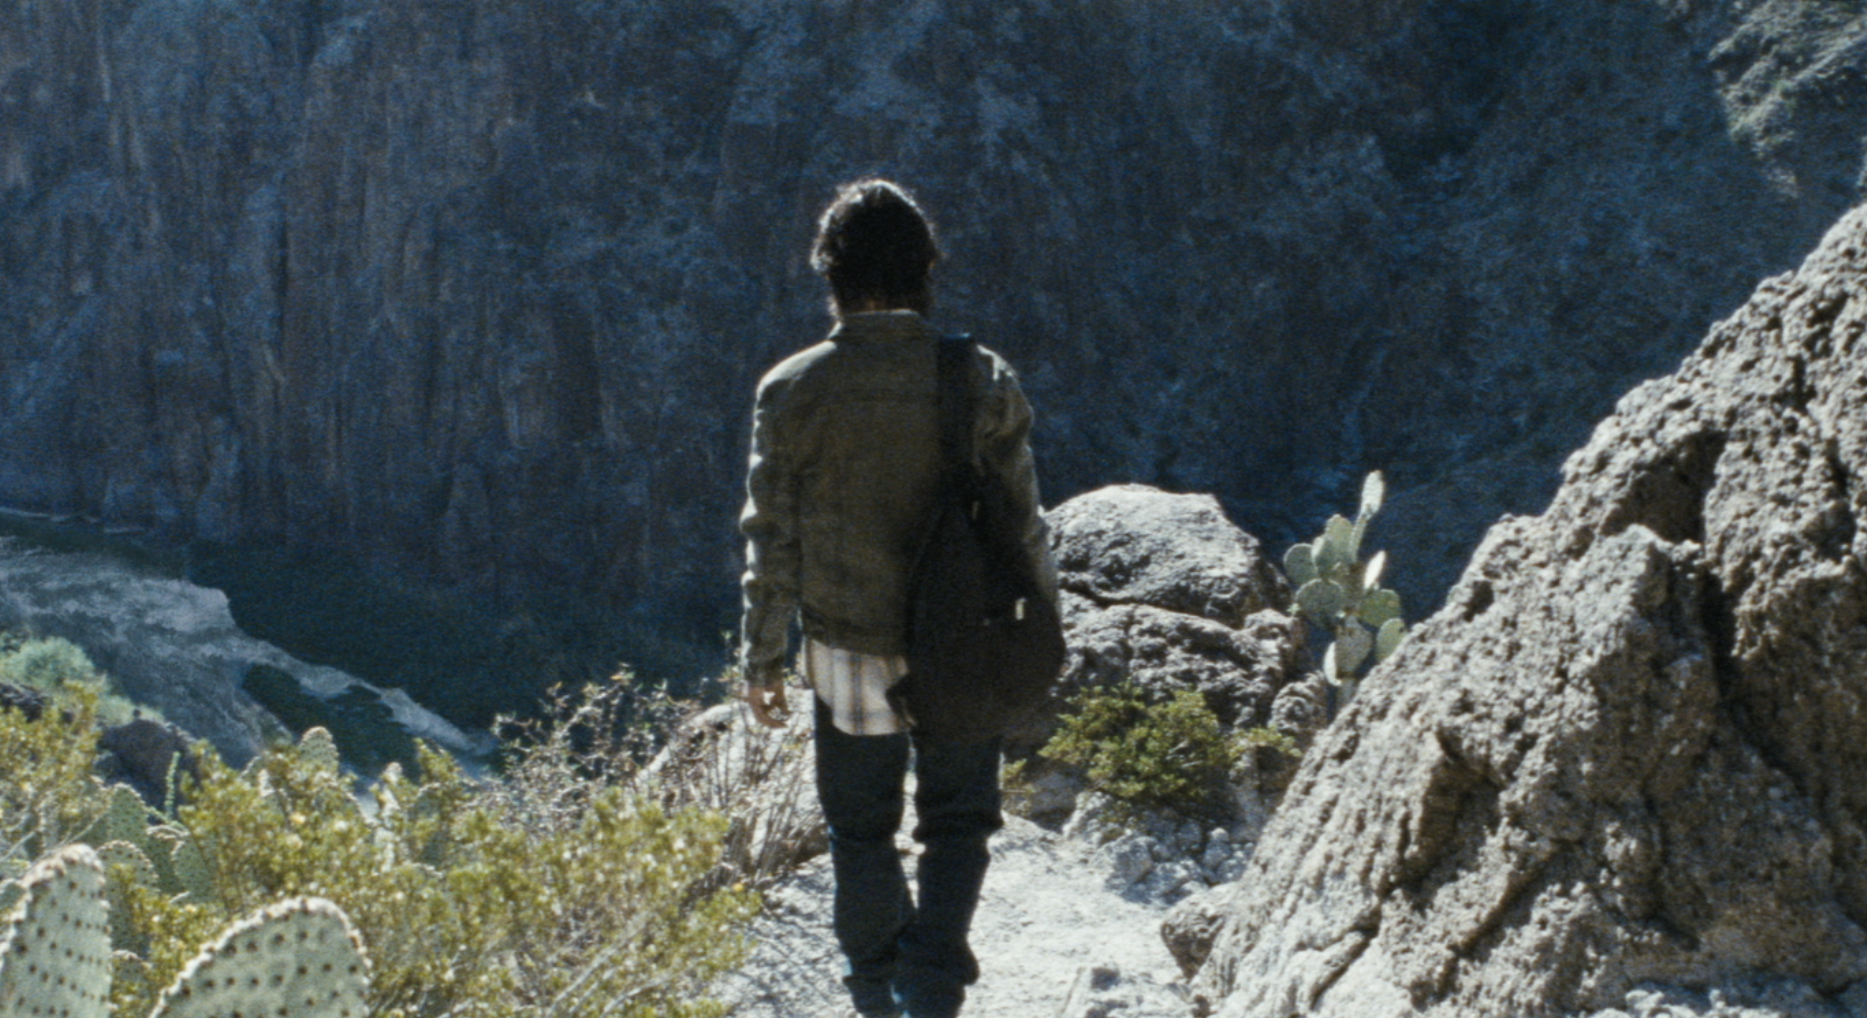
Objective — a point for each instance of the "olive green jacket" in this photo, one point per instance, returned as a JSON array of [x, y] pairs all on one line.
[[844, 469]]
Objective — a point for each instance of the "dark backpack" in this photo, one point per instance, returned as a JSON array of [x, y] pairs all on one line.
[[984, 642]]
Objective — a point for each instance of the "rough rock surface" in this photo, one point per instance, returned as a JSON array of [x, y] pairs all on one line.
[[478, 289], [1624, 771], [174, 646], [1164, 591], [29, 702], [1190, 929], [143, 753], [1104, 991], [1137, 545]]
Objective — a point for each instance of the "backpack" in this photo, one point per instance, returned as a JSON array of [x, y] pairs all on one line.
[[984, 642]]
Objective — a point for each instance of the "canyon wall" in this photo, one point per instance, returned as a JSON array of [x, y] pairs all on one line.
[[476, 291]]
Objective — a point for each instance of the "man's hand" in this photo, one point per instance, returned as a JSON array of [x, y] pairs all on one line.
[[768, 706]]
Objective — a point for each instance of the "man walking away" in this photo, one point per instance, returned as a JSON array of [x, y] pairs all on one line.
[[844, 472]]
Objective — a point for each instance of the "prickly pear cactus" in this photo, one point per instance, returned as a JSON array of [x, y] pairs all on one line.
[[55, 947], [1340, 593], [124, 865], [181, 867], [318, 748], [132, 978], [299, 957], [126, 819]]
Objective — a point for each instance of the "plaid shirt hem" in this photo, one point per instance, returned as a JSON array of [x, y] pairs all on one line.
[[855, 687]]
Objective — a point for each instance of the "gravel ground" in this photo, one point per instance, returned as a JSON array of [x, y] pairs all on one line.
[[1048, 923]]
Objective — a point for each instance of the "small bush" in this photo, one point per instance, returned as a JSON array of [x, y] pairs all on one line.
[[609, 905], [466, 913], [1281, 743], [58, 667], [48, 797], [48, 664], [1171, 755], [759, 777]]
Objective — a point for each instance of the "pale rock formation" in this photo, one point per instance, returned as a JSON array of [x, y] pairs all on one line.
[[1627, 763]]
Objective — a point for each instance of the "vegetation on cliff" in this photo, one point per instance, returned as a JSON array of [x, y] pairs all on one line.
[[563, 887]]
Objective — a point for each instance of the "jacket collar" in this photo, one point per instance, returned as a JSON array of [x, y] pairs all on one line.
[[880, 326]]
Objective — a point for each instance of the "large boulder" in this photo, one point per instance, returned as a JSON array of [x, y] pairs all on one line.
[[1627, 763], [1163, 591], [1132, 544]]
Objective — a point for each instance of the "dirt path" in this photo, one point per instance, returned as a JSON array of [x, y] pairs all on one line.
[[1044, 918]]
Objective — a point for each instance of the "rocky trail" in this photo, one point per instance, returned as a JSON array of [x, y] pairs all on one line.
[[1162, 591], [1056, 934]]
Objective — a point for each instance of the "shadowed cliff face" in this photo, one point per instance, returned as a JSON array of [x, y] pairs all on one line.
[[478, 289]]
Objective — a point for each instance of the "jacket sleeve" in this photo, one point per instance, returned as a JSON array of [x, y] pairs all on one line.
[[769, 523], [1003, 440]]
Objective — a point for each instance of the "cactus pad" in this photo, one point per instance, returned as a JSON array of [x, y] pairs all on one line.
[[126, 819], [181, 867], [55, 947], [300, 959], [1380, 607], [318, 748], [123, 853], [1352, 644], [1388, 639], [133, 977], [1300, 564], [1321, 600], [1340, 546], [123, 934], [1373, 492]]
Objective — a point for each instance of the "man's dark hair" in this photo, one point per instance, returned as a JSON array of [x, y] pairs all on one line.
[[875, 244]]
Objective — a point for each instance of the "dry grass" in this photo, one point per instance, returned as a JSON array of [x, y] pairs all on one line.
[[681, 757]]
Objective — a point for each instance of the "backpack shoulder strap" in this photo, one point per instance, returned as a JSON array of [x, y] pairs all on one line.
[[954, 378]]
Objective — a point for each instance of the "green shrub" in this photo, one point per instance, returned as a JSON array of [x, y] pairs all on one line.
[[760, 779], [1281, 743], [58, 667], [470, 908], [1172, 754], [48, 664], [48, 797]]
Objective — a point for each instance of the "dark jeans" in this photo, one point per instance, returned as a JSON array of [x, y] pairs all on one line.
[[917, 949]]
